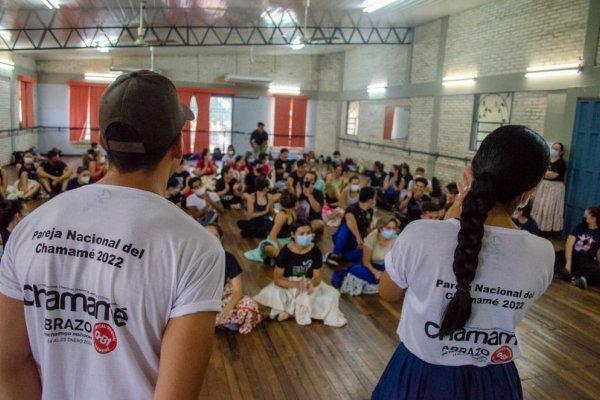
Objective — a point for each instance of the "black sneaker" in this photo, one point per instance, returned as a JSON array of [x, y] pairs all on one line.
[[332, 259], [580, 282]]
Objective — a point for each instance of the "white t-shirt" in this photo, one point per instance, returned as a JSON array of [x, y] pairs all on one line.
[[515, 268], [199, 203], [101, 270]]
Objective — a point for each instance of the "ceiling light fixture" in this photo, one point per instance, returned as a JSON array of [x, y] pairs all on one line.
[[553, 70], [458, 80], [297, 43], [284, 89], [370, 6], [376, 88], [9, 65], [92, 76], [51, 4]]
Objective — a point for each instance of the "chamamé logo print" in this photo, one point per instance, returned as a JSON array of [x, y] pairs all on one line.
[[105, 338]]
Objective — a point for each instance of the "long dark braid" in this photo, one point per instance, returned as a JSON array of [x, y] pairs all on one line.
[[510, 161], [476, 205]]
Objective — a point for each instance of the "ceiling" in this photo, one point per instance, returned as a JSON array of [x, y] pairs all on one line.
[[189, 26]]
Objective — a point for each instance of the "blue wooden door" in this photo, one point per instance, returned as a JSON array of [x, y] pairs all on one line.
[[583, 184]]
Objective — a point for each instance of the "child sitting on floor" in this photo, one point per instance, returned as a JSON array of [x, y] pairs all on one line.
[[297, 289], [238, 312]]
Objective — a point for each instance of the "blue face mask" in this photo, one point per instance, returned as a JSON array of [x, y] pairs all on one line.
[[389, 234], [554, 153], [304, 240]]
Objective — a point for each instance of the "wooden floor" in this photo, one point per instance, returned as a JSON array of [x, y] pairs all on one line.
[[560, 337]]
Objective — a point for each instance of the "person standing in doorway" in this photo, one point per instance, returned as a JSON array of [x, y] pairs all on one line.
[[259, 140], [139, 281]]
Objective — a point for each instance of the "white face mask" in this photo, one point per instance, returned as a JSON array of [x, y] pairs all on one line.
[[85, 179], [102, 160], [28, 160], [355, 188], [231, 153], [200, 191]]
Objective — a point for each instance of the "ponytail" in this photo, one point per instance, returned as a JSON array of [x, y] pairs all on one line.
[[476, 205]]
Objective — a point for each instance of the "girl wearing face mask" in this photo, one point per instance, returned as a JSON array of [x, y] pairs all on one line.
[[364, 276], [229, 157], [550, 194], [297, 289], [98, 167]]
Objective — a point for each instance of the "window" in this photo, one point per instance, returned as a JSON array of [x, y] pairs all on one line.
[[84, 104], [221, 115], [26, 114], [491, 111], [352, 118], [290, 121], [395, 126]]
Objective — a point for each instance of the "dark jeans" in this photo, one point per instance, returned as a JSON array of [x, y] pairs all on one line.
[[344, 244], [580, 266]]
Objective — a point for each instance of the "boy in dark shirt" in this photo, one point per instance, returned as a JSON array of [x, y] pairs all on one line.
[[54, 174], [82, 178]]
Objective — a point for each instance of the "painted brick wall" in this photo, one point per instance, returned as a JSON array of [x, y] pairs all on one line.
[[5, 119], [598, 51], [529, 109], [507, 36], [370, 129], [425, 52], [325, 133], [297, 70], [365, 65], [454, 135], [330, 70]]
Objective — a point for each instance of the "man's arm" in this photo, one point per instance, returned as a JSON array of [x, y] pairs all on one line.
[[184, 354], [66, 173], [19, 377]]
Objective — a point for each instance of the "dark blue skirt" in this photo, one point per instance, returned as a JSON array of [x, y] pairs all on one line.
[[408, 377]]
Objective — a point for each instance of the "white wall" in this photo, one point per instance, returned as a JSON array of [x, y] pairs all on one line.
[[247, 112]]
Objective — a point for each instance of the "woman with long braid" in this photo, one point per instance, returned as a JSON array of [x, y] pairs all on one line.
[[458, 324]]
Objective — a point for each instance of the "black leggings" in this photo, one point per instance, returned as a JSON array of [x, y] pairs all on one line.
[[580, 266]]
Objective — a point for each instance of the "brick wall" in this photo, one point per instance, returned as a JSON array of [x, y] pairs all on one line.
[[454, 135], [529, 109], [370, 129], [300, 70], [425, 52], [510, 35], [5, 118], [330, 70], [365, 65], [325, 134]]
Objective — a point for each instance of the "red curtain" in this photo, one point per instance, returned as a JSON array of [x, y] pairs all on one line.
[[281, 130], [298, 121], [84, 99], [95, 97], [26, 89], [202, 132], [290, 121], [79, 100], [388, 122], [186, 98], [202, 122]]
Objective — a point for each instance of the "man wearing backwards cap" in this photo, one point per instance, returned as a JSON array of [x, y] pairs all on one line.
[[110, 291]]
